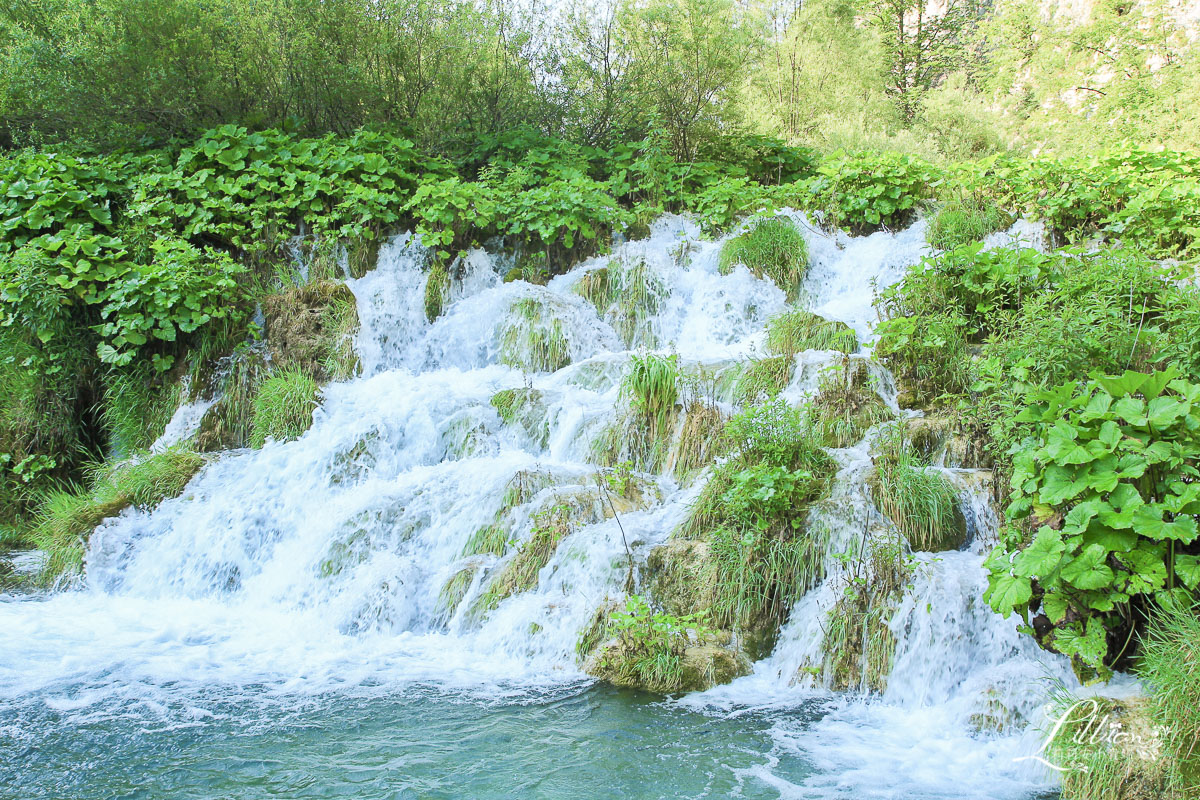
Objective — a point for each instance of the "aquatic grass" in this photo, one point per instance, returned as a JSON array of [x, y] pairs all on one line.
[[283, 407], [1135, 767], [489, 539], [339, 322], [454, 590], [796, 330], [524, 406], [773, 249], [520, 574], [437, 289], [763, 379], [701, 440], [652, 386], [1170, 663], [66, 516], [230, 422], [965, 220], [920, 501], [532, 339]]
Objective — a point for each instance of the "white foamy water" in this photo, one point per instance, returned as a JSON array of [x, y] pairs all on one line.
[[318, 565]]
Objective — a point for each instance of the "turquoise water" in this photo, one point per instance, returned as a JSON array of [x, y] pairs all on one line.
[[587, 742]]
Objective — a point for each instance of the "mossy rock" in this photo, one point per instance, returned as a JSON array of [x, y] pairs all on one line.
[[311, 328], [681, 576], [526, 408], [701, 666], [847, 407]]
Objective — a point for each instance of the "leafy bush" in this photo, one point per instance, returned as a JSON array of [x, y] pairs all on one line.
[[651, 646], [1104, 510], [773, 248], [283, 407], [866, 191]]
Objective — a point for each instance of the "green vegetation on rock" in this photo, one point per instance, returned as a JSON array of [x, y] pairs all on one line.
[[773, 249], [283, 406]]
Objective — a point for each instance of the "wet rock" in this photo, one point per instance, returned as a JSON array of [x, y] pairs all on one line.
[[693, 668]]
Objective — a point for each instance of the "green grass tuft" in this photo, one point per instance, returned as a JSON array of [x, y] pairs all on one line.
[[847, 407], [283, 407], [137, 406], [66, 517], [965, 220], [796, 330], [763, 379], [774, 249], [627, 294], [921, 502]]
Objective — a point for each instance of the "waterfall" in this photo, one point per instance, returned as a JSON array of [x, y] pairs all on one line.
[[336, 562]]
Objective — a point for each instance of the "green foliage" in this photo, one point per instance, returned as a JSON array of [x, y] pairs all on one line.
[[773, 248], [1104, 507], [283, 407], [796, 330], [866, 191], [965, 220]]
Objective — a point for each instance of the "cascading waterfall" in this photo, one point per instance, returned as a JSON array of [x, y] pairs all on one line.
[[322, 564]]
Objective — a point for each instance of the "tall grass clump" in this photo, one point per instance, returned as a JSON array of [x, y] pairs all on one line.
[[67, 515], [1170, 663], [138, 404], [920, 501], [652, 386], [796, 330], [965, 220], [437, 288], [847, 406], [283, 407], [773, 249]]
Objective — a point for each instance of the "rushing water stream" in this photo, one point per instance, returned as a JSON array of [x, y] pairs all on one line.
[[281, 630]]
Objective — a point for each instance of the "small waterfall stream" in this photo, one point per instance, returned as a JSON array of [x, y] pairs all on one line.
[[320, 565]]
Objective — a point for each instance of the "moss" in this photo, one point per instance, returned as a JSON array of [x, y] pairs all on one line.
[[796, 330], [596, 630], [67, 517], [965, 220], [533, 339], [763, 379], [437, 289], [846, 407], [283, 407], [920, 501], [362, 254], [526, 408], [311, 328], [773, 249]]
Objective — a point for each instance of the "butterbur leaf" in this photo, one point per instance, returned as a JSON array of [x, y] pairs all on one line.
[[1131, 410], [1088, 642], [1187, 569], [1042, 556], [1088, 570], [1007, 592], [1120, 386]]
